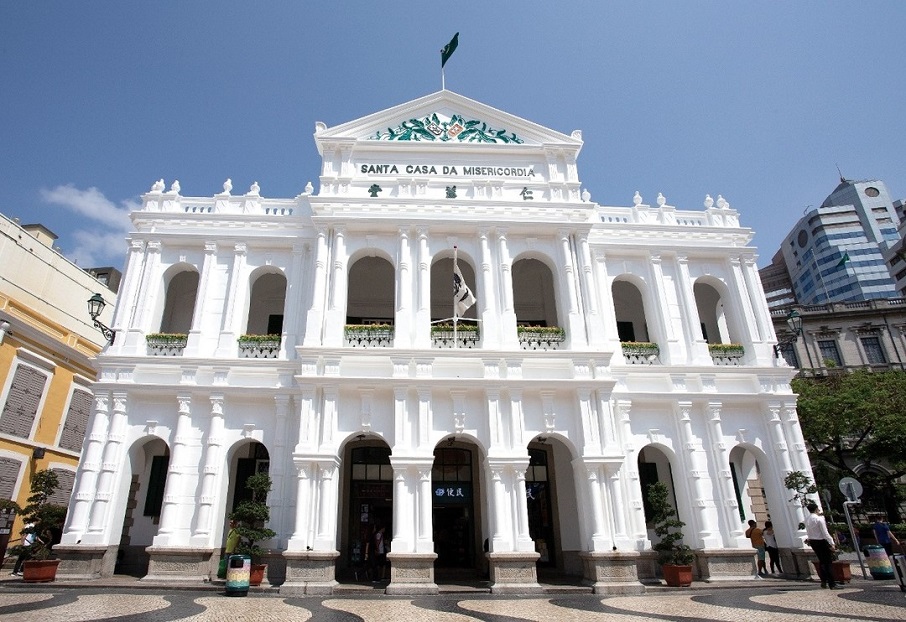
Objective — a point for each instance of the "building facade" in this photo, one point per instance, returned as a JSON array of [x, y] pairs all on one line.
[[47, 343], [840, 251], [316, 338]]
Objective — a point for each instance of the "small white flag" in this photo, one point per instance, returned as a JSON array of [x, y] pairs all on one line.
[[462, 295]]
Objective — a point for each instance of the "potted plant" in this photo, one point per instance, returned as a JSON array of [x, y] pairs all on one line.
[[252, 515], [675, 558], [43, 521]]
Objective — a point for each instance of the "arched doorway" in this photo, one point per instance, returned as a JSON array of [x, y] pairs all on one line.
[[148, 462], [368, 478], [456, 523]]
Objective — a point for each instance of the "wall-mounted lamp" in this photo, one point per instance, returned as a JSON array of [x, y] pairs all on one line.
[[96, 306], [37, 453], [794, 322], [4, 330]]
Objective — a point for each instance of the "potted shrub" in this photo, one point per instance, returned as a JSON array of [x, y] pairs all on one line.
[[675, 558], [44, 521], [252, 515]]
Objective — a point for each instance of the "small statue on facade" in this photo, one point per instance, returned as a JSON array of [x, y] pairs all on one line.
[[309, 188], [158, 186], [174, 187], [228, 186], [255, 189], [451, 192]]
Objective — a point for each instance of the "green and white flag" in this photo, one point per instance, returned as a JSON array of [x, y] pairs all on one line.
[[843, 260], [448, 50]]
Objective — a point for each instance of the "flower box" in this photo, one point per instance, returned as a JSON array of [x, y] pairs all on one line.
[[540, 337], [726, 353], [259, 346], [368, 335], [640, 352], [166, 344], [465, 336]]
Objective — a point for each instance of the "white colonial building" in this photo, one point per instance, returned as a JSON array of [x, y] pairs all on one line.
[[609, 348]]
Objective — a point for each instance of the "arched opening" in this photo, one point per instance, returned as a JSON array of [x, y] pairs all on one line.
[[654, 466], [371, 294], [179, 307], [716, 326], [552, 505], [246, 460], [442, 288], [629, 310], [534, 294], [147, 479], [456, 520], [266, 304], [747, 482], [368, 504]]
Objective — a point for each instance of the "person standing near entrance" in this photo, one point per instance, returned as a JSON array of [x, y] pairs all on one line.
[[756, 535], [376, 551], [822, 543], [885, 536], [770, 544]]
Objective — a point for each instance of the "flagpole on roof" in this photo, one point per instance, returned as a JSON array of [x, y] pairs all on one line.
[[455, 313], [445, 53]]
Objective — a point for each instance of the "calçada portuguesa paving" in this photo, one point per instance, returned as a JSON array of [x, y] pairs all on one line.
[[130, 600]]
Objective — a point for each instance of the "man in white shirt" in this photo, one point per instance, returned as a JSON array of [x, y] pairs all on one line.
[[822, 543]]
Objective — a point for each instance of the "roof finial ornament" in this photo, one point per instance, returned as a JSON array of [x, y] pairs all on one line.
[[637, 198], [709, 202], [227, 186], [661, 200]]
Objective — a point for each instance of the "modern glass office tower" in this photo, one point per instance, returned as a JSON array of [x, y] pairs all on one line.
[[328, 339], [836, 253]]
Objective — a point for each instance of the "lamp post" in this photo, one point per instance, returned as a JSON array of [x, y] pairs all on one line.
[[794, 322], [96, 306]]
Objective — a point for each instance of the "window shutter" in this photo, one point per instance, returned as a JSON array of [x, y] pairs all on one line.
[[9, 472], [76, 421], [22, 402], [64, 490]]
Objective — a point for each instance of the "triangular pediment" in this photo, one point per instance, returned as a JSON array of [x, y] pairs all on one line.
[[446, 117]]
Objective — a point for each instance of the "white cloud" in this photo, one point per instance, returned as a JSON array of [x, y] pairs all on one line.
[[103, 243]]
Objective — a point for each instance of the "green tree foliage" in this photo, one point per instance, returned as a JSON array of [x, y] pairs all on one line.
[[252, 514], [856, 419], [668, 527], [42, 518]]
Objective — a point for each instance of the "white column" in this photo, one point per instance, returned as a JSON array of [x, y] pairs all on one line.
[[523, 538], [698, 348], [277, 472], [613, 485], [423, 287], [149, 291], [425, 422], [798, 457], [487, 293], [566, 256], [697, 482], [727, 492], [661, 323], [404, 536], [507, 318], [204, 520], [314, 320], [89, 469], [201, 298], [171, 523], [594, 505], [495, 418], [632, 487], [129, 288], [403, 324], [303, 532], [326, 539], [743, 303], [606, 423], [517, 419], [501, 542], [293, 301], [591, 435], [336, 304], [106, 484], [590, 293], [227, 343], [757, 298], [425, 542]]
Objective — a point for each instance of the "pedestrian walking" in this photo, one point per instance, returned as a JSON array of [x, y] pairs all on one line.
[[770, 545], [822, 544]]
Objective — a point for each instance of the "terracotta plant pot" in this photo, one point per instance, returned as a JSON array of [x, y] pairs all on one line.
[[840, 569], [256, 575], [39, 570], [677, 576]]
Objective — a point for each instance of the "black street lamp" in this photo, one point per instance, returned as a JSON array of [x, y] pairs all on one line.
[[794, 322], [96, 306]]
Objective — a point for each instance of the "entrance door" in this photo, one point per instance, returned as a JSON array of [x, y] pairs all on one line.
[[540, 504], [370, 500], [454, 513]]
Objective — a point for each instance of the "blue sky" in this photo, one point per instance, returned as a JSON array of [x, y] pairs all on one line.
[[756, 101]]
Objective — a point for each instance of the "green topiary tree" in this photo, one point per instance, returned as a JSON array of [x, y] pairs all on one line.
[[43, 519], [668, 528], [252, 514]]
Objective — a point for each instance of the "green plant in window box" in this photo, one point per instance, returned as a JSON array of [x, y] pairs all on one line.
[[368, 331], [259, 340], [640, 348], [167, 339], [726, 349], [461, 327], [546, 333]]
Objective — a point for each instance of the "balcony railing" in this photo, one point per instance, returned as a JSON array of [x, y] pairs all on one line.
[[465, 336], [726, 353], [166, 344], [640, 352], [540, 337], [259, 346], [368, 335]]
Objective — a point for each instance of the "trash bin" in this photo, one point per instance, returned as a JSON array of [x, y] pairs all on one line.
[[878, 562], [237, 575]]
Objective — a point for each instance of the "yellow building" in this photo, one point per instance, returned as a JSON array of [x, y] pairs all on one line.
[[47, 341]]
